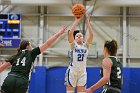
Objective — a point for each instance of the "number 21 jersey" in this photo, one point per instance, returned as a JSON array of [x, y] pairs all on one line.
[[78, 56]]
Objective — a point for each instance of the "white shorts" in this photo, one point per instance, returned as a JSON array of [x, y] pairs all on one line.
[[75, 78]]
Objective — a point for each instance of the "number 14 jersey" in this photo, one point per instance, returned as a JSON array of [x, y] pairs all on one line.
[[22, 64]]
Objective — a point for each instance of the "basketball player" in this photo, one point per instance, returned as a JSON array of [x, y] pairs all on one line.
[[17, 79], [76, 75], [111, 71]]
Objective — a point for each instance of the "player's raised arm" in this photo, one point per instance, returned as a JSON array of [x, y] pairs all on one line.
[[90, 30], [106, 65], [51, 40], [2, 45], [72, 29]]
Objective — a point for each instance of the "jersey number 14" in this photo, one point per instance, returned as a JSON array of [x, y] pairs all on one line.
[[19, 61]]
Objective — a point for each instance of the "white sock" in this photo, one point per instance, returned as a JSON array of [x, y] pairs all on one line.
[[81, 92], [70, 91]]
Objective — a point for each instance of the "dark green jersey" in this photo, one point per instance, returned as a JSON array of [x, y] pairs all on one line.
[[22, 64], [116, 73]]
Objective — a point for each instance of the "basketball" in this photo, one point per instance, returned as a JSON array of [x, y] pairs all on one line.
[[78, 10]]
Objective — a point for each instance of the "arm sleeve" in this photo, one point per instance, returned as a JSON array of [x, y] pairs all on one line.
[[35, 52]]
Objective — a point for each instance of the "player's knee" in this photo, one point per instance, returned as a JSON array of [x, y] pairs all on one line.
[[70, 89], [81, 89]]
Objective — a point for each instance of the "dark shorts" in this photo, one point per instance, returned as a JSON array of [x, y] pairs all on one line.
[[13, 84]]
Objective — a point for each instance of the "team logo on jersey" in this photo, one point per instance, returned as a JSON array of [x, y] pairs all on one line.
[[80, 50]]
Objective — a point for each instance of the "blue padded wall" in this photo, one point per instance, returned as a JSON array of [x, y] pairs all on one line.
[[126, 80], [52, 80], [93, 75], [38, 80], [55, 78], [135, 80]]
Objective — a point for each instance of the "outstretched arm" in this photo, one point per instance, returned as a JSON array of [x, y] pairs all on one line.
[[90, 30], [1, 44], [106, 65], [72, 29], [4, 66], [51, 40]]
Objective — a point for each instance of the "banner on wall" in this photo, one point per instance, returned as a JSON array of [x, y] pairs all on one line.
[[10, 43]]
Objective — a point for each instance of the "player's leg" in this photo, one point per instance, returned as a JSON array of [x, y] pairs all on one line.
[[8, 85], [81, 86], [21, 85], [21, 90], [81, 89], [5, 92], [70, 89], [70, 81]]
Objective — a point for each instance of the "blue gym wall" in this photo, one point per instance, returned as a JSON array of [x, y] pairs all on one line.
[[52, 80]]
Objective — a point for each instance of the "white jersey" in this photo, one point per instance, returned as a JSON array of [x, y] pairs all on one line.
[[78, 56]]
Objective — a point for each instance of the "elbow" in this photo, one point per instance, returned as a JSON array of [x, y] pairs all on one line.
[[1, 70], [90, 40], [91, 34], [4, 66], [106, 78], [43, 48], [70, 33]]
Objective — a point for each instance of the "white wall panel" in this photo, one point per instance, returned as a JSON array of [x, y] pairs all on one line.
[[59, 10], [134, 10], [25, 9], [30, 28], [134, 36], [103, 10]]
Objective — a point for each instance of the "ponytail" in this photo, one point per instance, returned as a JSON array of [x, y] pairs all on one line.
[[11, 59], [112, 47], [22, 46]]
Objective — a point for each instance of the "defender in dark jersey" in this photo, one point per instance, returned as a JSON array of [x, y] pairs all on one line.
[[111, 71], [17, 79]]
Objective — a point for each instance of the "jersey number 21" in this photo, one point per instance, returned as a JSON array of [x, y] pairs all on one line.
[[80, 57]]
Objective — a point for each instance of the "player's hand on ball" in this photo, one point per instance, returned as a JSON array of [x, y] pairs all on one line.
[[78, 19]]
